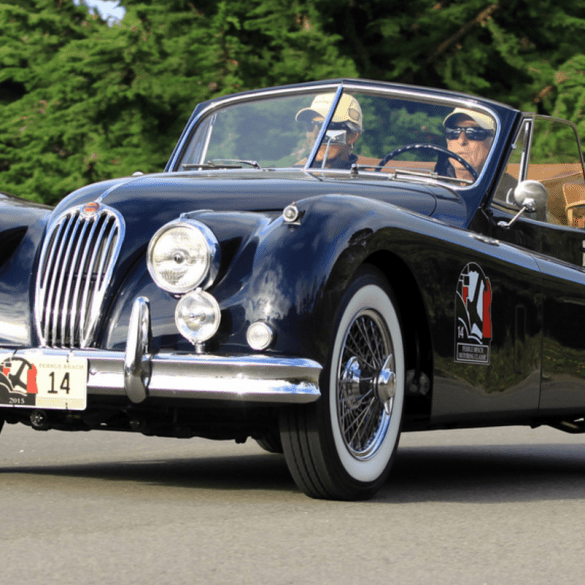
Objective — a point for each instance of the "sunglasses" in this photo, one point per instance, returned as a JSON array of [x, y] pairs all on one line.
[[471, 132], [310, 126]]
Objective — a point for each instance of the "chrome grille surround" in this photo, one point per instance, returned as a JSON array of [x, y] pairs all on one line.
[[75, 268]]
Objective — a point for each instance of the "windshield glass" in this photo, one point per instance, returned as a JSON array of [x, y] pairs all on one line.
[[376, 132]]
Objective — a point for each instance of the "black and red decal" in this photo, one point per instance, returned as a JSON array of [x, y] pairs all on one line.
[[473, 316], [18, 382]]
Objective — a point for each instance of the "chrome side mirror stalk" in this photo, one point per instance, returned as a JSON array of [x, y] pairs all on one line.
[[529, 205], [531, 197]]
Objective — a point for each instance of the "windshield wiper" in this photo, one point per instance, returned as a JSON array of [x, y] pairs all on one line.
[[221, 163]]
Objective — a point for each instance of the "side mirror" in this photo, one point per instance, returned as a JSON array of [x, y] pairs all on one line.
[[529, 196]]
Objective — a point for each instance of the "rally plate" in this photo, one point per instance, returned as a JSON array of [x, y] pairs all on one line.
[[29, 380]]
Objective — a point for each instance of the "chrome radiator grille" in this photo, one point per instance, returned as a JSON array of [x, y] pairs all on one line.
[[76, 266]]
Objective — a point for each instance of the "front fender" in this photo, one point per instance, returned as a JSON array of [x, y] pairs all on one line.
[[289, 275], [22, 224], [238, 234], [295, 275]]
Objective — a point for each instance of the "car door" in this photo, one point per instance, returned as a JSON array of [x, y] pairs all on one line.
[[488, 331], [548, 151]]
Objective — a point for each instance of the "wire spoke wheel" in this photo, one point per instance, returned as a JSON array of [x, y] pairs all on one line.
[[363, 419], [342, 446]]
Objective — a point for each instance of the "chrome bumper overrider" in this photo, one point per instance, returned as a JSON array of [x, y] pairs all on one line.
[[138, 374]]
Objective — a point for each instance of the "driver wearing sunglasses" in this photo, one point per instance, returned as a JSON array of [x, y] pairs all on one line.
[[470, 135]]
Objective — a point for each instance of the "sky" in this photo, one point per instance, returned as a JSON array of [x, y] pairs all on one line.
[[107, 9]]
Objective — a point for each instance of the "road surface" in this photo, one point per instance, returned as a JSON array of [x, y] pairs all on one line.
[[487, 506]]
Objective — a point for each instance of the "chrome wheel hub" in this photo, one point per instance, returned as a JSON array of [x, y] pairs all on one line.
[[386, 384]]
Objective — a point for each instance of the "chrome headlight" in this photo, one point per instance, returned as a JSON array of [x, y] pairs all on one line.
[[197, 316], [183, 255]]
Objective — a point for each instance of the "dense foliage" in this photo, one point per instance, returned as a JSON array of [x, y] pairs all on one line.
[[83, 100]]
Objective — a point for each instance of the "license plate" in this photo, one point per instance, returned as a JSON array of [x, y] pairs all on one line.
[[33, 381]]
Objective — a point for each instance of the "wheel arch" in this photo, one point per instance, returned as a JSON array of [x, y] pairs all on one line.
[[416, 332]]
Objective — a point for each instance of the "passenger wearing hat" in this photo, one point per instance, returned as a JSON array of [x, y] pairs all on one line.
[[470, 135], [342, 133]]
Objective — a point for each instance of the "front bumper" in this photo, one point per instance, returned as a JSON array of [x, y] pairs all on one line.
[[139, 375]]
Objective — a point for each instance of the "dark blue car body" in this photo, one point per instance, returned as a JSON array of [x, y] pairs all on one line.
[[485, 307]]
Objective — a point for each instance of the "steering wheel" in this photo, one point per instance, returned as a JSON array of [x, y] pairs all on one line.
[[444, 155]]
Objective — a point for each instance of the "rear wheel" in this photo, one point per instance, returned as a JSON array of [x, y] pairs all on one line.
[[342, 446]]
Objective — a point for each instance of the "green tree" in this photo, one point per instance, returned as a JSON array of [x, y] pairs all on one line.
[[109, 100], [508, 50], [569, 92], [33, 35], [83, 101]]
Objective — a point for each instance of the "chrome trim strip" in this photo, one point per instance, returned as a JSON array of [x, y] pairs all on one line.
[[324, 126], [68, 316], [528, 125], [77, 293], [56, 257], [103, 276], [186, 137], [251, 378], [85, 303]]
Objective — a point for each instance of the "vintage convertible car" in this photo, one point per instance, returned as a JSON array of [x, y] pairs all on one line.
[[319, 267]]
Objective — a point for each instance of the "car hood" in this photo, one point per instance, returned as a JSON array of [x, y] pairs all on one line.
[[149, 201]]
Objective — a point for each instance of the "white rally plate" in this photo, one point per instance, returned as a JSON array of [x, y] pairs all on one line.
[[32, 381]]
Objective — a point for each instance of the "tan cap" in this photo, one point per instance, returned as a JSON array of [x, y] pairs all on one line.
[[348, 109], [482, 120]]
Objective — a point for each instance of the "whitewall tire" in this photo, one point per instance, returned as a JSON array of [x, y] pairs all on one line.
[[342, 446]]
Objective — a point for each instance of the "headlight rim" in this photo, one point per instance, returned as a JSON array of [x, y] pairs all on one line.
[[212, 253]]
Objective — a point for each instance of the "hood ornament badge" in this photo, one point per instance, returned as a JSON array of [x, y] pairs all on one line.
[[90, 209]]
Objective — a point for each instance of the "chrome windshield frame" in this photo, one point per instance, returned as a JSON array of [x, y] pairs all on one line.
[[320, 136], [339, 87]]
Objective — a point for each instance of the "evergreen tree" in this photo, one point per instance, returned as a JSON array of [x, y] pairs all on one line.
[[84, 101], [568, 92], [109, 100], [507, 50], [35, 149]]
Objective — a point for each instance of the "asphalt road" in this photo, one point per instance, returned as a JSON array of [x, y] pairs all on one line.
[[491, 506]]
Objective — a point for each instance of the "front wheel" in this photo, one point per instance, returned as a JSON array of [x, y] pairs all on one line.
[[342, 446]]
